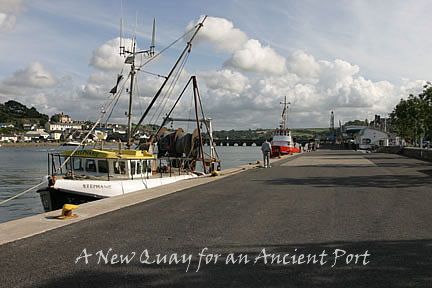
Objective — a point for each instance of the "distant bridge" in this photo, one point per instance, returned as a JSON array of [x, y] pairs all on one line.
[[247, 142], [236, 142]]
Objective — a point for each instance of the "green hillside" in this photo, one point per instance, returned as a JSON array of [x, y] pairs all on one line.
[[13, 112]]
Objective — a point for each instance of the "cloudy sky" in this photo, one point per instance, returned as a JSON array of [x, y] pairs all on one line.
[[357, 57]]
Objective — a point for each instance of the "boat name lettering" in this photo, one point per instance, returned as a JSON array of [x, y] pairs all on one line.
[[99, 186], [86, 153]]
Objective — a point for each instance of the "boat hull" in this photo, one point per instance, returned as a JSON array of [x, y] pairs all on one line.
[[54, 199], [278, 150], [68, 191]]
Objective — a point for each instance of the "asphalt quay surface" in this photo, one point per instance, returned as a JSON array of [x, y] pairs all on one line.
[[330, 218]]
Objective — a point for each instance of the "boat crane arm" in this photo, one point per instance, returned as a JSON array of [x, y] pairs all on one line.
[[189, 44]]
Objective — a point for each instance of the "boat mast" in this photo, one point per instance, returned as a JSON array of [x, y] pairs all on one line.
[[130, 59], [284, 114], [132, 77]]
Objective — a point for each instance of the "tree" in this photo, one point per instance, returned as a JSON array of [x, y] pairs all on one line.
[[412, 118], [55, 118]]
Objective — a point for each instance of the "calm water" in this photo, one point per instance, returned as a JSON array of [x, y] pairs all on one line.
[[23, 167]]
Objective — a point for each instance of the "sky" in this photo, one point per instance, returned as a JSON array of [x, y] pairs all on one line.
[[358, 58]]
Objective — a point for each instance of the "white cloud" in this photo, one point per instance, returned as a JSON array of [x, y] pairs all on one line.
[[34, 76], [107, 57], [225, 79], [98, 85], [313, 87], [253, 57], [221, 33], [233, 97], [303, 65], [9, 9]]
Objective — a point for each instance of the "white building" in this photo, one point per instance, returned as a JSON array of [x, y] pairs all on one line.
[[56, 135], [6, 125], [369, 137], [8, 138], [35, 135], [61, 126]]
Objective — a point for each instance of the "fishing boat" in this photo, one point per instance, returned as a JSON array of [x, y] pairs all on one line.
[[84, 175], [282, 142]]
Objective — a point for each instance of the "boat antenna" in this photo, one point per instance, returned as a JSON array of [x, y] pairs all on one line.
[[152, 47], [122, 48], [189, 44]]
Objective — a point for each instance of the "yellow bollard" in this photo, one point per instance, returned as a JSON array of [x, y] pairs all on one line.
[[67, 211]]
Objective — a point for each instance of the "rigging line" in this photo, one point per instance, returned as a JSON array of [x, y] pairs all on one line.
[[212, 144], [151, 73], [175, 79], [172, 108], [169, 46], [160, 107], [118, 97], [156, 96], [190, 111], [137, 93], [172, 85], [67, 159]]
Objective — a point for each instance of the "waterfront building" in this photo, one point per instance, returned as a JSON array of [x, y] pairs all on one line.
[[62, 126]]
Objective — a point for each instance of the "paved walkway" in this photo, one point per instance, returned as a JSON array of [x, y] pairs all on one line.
[[375, 208]]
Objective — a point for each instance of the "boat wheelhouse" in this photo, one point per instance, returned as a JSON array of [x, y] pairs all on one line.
[[282, 143]]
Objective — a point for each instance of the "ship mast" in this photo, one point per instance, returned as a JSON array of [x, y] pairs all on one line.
[[284, 113], [130, 59], [132, 78]]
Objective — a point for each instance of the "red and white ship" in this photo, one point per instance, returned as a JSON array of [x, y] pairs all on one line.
[[282, 142]]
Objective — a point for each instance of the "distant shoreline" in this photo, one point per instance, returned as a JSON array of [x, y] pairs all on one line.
[[30, 144]]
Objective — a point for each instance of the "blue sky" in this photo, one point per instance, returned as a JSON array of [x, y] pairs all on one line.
[[358, 57]]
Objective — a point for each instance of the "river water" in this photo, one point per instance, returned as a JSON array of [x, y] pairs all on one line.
[[25, 166]]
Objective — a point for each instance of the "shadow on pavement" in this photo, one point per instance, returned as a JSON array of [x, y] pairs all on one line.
[[380, 181], [391, 264]]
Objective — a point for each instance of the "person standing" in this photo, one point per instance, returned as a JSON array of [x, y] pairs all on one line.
[[266, 150]]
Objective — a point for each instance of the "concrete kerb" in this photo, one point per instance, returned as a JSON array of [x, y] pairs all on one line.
[[37, 224]]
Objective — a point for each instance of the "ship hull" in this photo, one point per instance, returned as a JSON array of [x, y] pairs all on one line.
[[279, 150]]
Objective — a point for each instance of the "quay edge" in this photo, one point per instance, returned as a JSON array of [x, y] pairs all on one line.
[[37, 224]]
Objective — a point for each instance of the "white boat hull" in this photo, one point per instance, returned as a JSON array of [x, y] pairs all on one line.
[[115, 187], [81, 191]]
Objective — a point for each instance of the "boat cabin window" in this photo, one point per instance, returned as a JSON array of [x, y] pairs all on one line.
[[90, 165], [120, 167], [138, 167], [146, 166], [133, 164], [68, 165], [76, 163], [103, 166]]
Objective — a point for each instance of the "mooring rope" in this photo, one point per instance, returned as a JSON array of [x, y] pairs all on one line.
[[69, 157]]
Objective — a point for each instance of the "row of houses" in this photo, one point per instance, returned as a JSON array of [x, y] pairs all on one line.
[[66, 131]]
